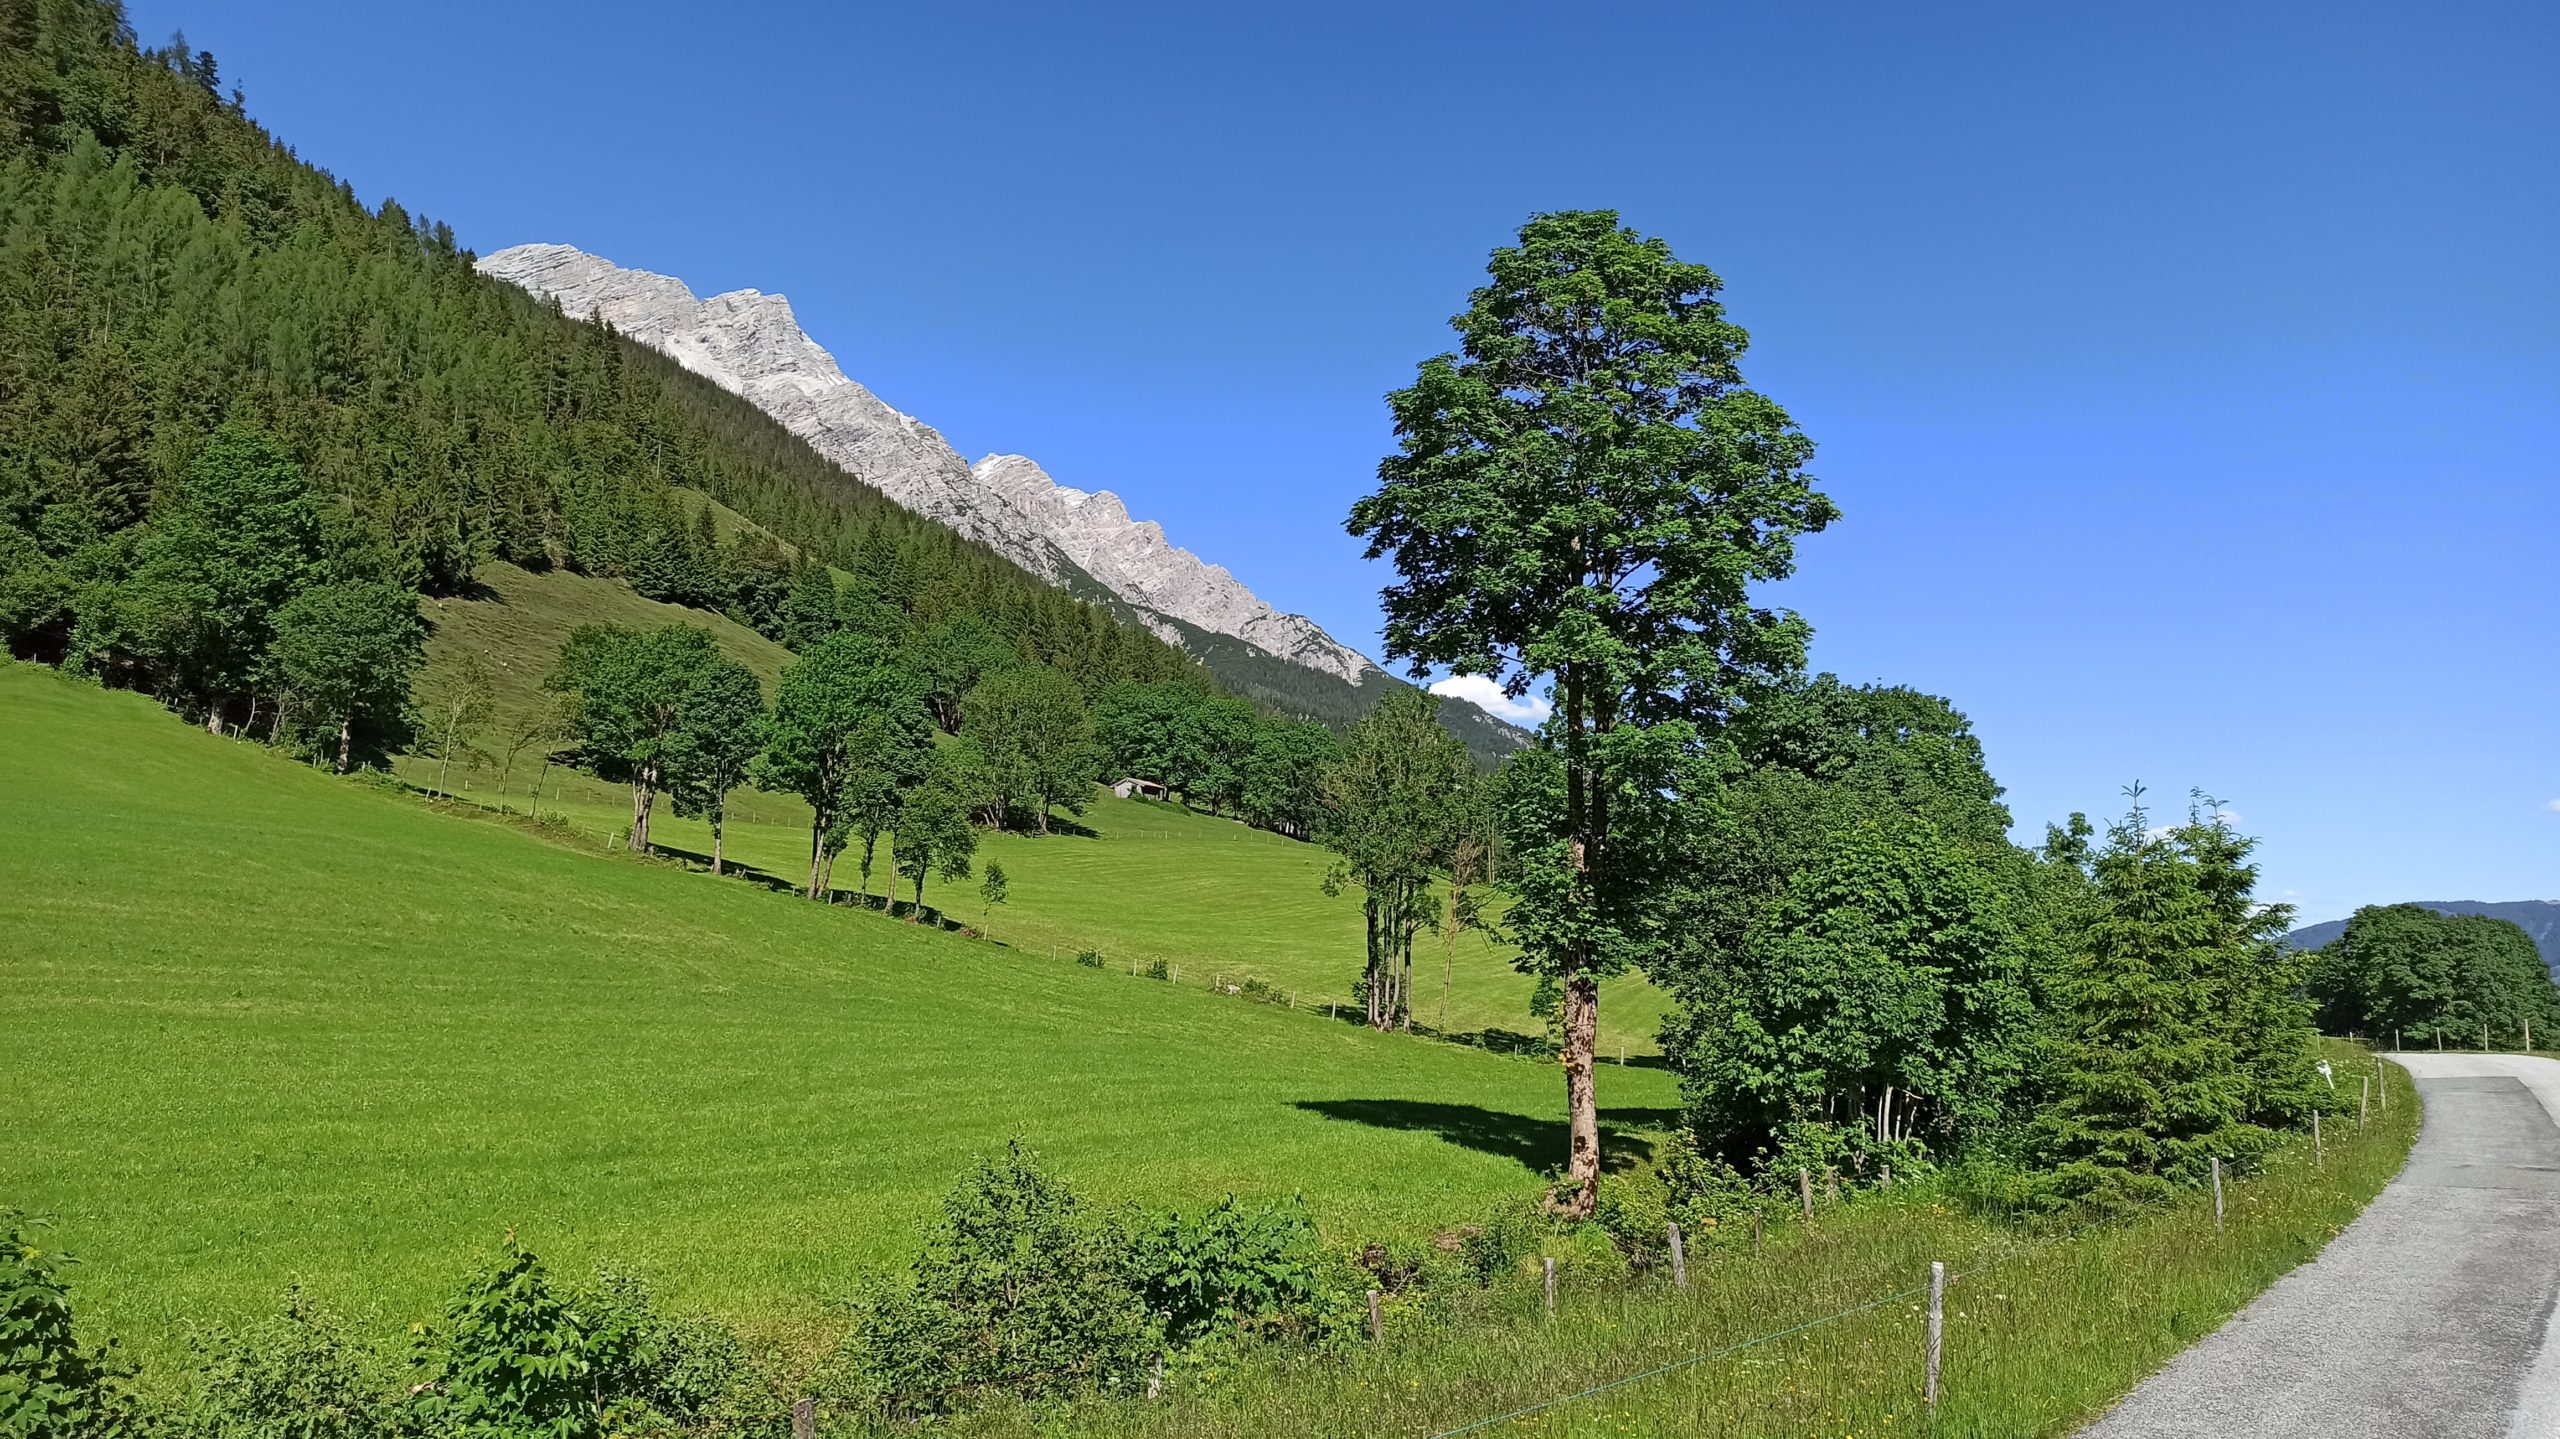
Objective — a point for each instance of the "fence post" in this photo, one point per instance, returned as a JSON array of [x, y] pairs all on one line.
[[1755, 1231], [1888, 1176], [2395, 1039], [2382, 1081], [1937, 1323], [2317, 1157], [1377, 1324], [2528, 1036], [2484, 1039], [1551, 1289], [1804, 1188], [1679, 1258], [1155, 1380], [804, 1419], [1831, 1184], [2217, 1195], [2364, 1102]]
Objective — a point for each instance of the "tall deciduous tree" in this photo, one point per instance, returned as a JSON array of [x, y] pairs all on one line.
[[458, 703], [1030, 722], [934, 834], [241, 538], [1284, 776], [633, 688], [1394, 807], [719, 735], [348, 652], [1587, 490], [849, 733]]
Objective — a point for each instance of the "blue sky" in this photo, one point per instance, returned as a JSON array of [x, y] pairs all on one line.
[[2189, 375]]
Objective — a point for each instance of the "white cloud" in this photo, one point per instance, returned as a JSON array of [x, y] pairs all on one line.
[[1485, 695], [2554, 806]]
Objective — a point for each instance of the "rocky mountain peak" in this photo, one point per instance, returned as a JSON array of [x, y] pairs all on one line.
[[751, 344]]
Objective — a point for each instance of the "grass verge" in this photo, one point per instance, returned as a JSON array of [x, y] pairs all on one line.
[[2043, 1331]]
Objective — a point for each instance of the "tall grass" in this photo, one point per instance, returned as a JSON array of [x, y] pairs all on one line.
[[2047, 1323]]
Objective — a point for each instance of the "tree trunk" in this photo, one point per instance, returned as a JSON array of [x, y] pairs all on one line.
[[213, 717], [534, 810], [1044, 814], [715, 842], [346, 740], [1581, 1039], [817, 851], [643, 795]]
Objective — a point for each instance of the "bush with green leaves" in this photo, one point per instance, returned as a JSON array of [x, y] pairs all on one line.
[[512, 1359], [1020, 1291], [298, 1375], [657, 1373], [1089, 958], [1233, 1271], [50, 1387]]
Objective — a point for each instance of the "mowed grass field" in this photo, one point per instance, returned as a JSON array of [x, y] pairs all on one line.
[[1143, 882], [266, 1025]]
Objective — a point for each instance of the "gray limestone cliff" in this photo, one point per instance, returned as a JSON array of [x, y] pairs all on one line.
[[751, 345]]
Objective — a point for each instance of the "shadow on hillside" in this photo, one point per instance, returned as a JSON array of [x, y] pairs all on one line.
[[1536, 1143]]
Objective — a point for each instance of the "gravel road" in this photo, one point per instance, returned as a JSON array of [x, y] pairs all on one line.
[[2429, 1318]]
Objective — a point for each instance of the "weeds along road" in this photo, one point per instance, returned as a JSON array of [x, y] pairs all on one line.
[[2430, 1316]]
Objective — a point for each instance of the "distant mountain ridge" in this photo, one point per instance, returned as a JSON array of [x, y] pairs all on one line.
[[2539, 918], [751, 344]]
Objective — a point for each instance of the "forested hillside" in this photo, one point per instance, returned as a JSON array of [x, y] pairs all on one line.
[[166, 266]]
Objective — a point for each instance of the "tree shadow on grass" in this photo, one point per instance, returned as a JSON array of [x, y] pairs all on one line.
[[1537, 1144]]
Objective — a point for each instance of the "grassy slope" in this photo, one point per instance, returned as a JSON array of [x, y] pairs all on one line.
[[1152, 882], [520, 621], [265, 1024]]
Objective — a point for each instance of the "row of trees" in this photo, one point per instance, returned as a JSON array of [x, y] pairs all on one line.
[[1219, 752], [849, 730], [2407, 972]]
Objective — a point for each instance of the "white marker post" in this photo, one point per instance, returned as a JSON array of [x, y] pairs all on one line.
[[2217, 1195], [1937, 1324]]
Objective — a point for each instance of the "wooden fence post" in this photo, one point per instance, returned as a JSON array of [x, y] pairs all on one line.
[[1831, 1184], [1155, 1380], [1377, 1324], [2217, 1195], [1755, 1231], [1679, 1258], [1937, 1323], [1551, 1289], [2364, 1102], [1804, 1188], [804, 1419], [1888, 1176], [2382, 1081], [2317, 1157]]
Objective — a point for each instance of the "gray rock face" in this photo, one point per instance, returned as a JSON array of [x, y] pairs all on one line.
[[750, 344]]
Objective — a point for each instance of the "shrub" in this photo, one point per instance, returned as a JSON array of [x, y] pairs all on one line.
[[297, 1376], [1262, 991], [511, 1359], [1089, 958], [1157, 969], [1230, 1270], [657, 1372], [49, 1385], [1018, 1292]]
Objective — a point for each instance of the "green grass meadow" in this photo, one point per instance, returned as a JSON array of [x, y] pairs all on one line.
[[267, 1025]]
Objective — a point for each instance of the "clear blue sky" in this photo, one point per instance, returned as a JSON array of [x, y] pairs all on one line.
[[2189, 375]]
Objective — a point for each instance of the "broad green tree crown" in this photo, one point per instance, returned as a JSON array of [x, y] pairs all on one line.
[[1587, 492]]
